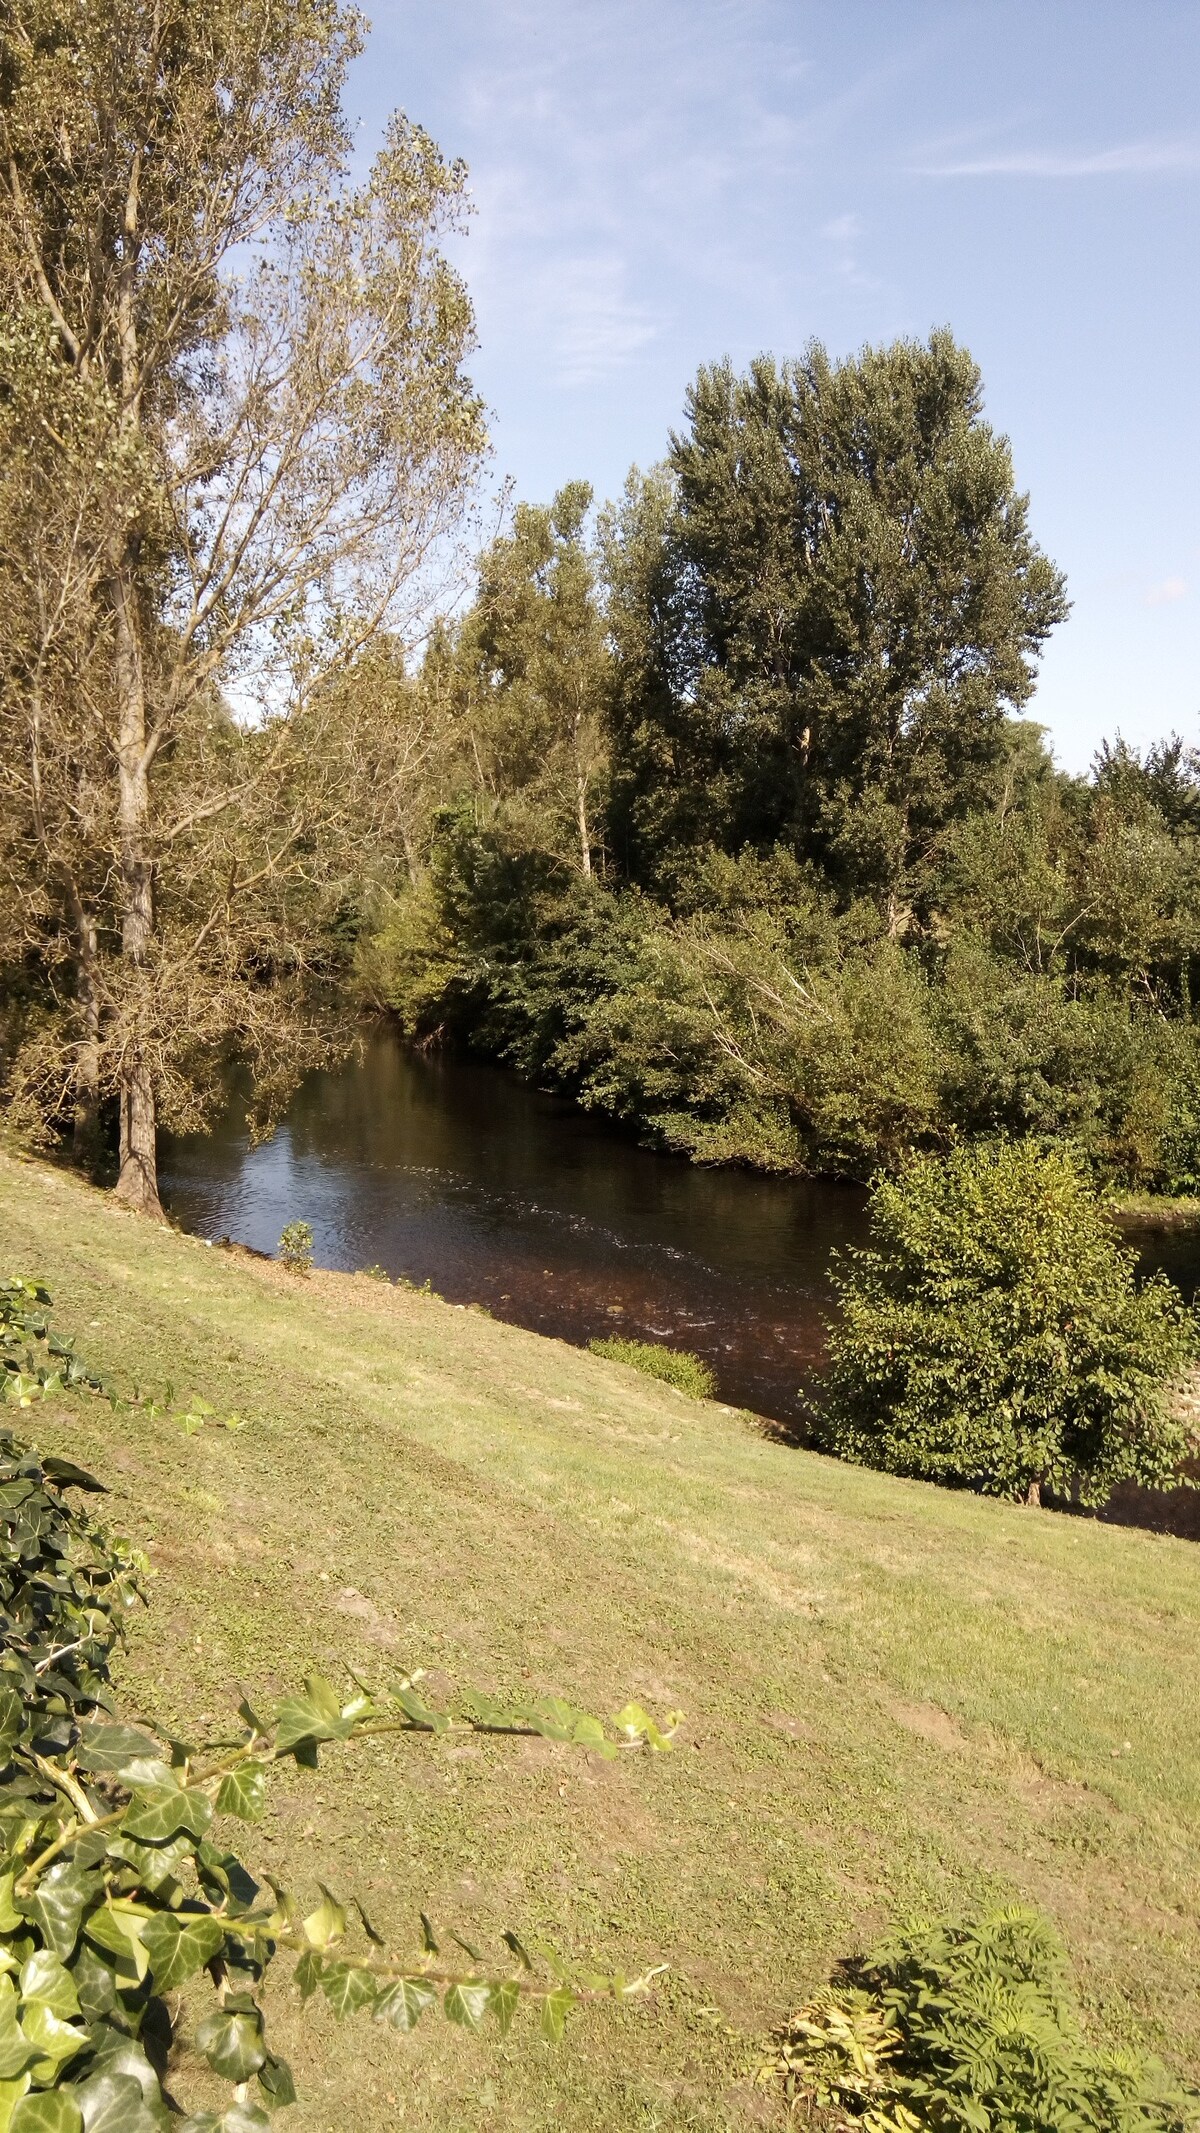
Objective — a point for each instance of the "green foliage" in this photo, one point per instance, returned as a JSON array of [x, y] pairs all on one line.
[[994, 1334], [117, 1885], [675, 1366], [970, 2028], [296, 1247], [849, 598]]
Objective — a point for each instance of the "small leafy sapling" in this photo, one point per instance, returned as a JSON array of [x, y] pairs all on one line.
[[965, 2024], [296, 1247]]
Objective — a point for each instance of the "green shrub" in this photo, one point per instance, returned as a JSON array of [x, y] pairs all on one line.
[[994, 1334], [296, 1247], [970, 2028], [675, 1366]]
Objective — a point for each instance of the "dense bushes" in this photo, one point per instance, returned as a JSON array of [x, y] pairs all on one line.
[[970, 2028], [757, 1022], [994, 1334]]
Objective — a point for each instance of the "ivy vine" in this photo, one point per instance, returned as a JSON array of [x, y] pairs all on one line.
[[116, 1884]]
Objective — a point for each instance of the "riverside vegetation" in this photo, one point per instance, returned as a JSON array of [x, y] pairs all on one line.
[[867, 1738], [718, 808]]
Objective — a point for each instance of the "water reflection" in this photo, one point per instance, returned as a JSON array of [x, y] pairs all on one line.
[[448, 1170]]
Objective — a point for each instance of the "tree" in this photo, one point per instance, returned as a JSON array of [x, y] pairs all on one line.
[[994, 1334], [853, 605], [536, 664], [236, 384]]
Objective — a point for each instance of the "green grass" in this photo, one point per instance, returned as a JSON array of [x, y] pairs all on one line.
[[671, 1366], [899, 1699]]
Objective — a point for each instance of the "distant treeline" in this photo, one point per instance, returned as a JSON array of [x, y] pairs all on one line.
[[722, 815]]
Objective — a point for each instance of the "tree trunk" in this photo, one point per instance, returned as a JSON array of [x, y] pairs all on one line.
[[137, 1183], [581, 785], [86, 1131]]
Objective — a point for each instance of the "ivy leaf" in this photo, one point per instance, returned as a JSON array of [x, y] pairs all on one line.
[[94, 1982], [179, 1947], [555, 2008], [11, 2092], [467, 2004], [119, 1932], [155, 1816], [275, 2081], [66, 1473], [59, 1902], [111, 1747], [637, 1724], [403, 2003], [16, 2053], [10, 1917], [308, 1973], [231, 2043], [347, 1988], [367, 1927], [49, 2111], [56, 2041], [315, 1716], [418, 1712], [506, 1998], [513, 1941], [327, 1923], [428, 1937], [12, 1714], [153, 1864], [114, 2103], [44, 1978], [243, 1792], [226, 1872]]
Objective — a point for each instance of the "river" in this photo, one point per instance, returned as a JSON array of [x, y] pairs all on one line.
[[448, 1170]]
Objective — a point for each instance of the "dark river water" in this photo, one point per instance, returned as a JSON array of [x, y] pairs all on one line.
[[450, 1171]]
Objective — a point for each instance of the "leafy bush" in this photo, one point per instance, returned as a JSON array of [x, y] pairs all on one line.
[[970, 2028], [115, 1886], [296, 1247], [675, 1366], [994, 1334]]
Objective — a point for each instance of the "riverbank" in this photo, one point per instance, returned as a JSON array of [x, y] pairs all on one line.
[[898, 1698], [1156, 1211]]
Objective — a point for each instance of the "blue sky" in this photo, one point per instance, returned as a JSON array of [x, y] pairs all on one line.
[[660, 182]]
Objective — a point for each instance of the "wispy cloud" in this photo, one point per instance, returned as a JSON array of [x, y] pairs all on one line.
[[595, 326], [1137, 159], [1162, 595]]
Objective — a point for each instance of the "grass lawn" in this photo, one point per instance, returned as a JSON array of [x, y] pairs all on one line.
[[898, 1699]]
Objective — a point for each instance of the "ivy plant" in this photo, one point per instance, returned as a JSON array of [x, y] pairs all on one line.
[[117, 1881]]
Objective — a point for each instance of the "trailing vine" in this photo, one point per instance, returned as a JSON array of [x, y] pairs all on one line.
[[116, 1884]]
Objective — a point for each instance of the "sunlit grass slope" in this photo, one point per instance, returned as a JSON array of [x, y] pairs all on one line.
[[898, 1699]]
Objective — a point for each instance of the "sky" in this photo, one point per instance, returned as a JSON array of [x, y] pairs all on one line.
[[659, 183]]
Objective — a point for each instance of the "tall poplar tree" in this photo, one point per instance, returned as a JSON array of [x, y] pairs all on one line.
[[237, 429], [845, 606]]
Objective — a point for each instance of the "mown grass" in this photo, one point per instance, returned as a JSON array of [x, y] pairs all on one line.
[[898, 1699]]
